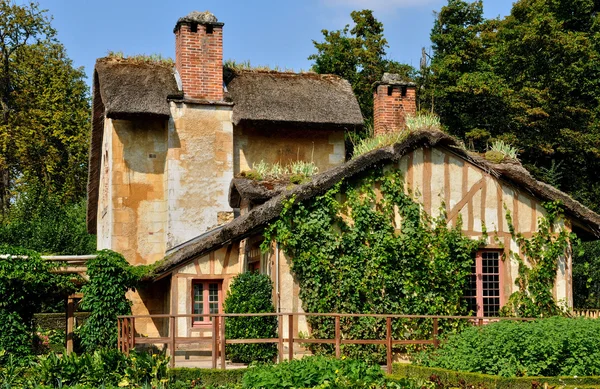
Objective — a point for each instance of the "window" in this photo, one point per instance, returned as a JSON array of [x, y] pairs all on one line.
[[254, 255], [483, 289], [206, 299]]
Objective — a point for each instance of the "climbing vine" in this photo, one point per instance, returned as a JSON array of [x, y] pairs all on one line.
[[366, 246], [110, 277], [538, 264]]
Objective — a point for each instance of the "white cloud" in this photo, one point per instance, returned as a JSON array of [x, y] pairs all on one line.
[[379, 5]]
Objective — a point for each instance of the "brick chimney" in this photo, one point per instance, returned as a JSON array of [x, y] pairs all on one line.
[[199, 55], [393, 100]]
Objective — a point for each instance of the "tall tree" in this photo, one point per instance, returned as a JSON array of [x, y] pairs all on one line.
[[45, 109], [358, 55], [532, 79]]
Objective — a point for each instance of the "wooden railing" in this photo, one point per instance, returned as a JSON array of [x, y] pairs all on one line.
[[128, 339], [589, 313]]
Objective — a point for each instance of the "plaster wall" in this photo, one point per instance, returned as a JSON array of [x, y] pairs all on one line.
[[200, 168], [138, 204], [105, 205], [442, 181], [325, 148], [220, 265]]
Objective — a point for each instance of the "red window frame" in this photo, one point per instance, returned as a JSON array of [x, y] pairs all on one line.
[[206, 305], [484, 288]]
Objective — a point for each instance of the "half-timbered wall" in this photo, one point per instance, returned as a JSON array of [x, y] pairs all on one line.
[[436, 178]]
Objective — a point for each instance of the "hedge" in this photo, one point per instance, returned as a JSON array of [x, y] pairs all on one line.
[[56, 321], [206, 377], [449, 379]]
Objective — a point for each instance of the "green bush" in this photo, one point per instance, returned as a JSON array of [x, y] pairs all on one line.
[[250, 293], [556, 346], [26, 282], [206, 377], [321, 372], [444, 378], [104, 296]]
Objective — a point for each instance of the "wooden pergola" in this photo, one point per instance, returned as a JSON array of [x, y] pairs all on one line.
[[74, 264]]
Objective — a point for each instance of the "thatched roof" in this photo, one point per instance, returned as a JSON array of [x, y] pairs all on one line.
[[124, 89], [255, 220], [133, 88], [294, 98]]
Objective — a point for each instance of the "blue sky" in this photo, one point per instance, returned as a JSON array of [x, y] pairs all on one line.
[[266, 32]]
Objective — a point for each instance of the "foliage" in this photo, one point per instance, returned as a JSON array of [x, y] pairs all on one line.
[[556, 346], [320, 372], [26, 282], [43, 222], [353, 253], [586, 275], [538, 264], [155, 59], [423, 121], [44, 121], [104, 296], [250, 293], [531, 79], [103, 368], [206, 377], [376, 142], [263, 170], [505, 149], [358, 55], [444, 378]]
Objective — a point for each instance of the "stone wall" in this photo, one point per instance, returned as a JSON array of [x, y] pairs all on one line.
[[323, 147]]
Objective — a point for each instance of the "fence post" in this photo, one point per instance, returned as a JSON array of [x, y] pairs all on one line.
[[133, 332], [388, 343], [215, 343], [120, 335], [338, 351], [172, 335], [480, 322], [291, 336], [280, 339], [126, 335], [223, 343], [435, 333], [70, 323]]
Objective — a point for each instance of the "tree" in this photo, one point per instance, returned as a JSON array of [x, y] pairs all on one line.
[[358, 55], [45, 109], [532, 79]]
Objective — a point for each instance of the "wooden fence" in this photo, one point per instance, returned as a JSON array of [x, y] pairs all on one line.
[[589, 313], [128, 339]]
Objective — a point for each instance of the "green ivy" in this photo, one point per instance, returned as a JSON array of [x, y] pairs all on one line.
[[353, 254], [110, 277], [538, 264], [250, 293], [26, 282]]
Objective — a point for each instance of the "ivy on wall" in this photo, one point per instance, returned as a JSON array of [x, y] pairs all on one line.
[[366, 246], [110, 277], [538, 264]]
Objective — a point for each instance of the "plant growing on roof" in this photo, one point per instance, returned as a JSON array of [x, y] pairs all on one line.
[[505, 149]]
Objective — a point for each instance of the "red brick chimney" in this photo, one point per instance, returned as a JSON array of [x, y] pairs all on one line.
[[199, 55], [393, 100]]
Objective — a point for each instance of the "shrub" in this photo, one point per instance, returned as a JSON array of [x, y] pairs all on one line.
[[321, 372], [104, 296], [250, 293], [26, 282], [423, 121], [379, 141], [555, 346]]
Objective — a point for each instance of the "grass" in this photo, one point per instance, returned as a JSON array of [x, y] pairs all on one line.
[[414, 123], [263, 170], [156, 59], [504, 148]]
